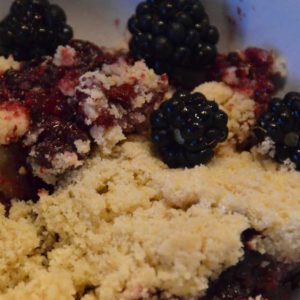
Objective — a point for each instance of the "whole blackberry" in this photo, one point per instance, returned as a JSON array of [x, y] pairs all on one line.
[[281, 123], [33, 28], [187, 128], [173, 34]]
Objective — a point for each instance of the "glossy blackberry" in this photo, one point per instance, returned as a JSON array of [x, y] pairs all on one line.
[[187, 128], [33, 28], [281, 123], [178, 34]]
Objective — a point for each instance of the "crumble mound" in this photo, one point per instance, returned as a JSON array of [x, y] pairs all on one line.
[[125, 223], [81, 93], [126, 93], [116, 238], [239, 108]]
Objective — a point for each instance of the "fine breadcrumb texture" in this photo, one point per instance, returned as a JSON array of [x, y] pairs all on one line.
[[82, 147], [240, 109], [127, 223], [240, 183], [107, 138], [135, 90], [45, 285], [116, 233]]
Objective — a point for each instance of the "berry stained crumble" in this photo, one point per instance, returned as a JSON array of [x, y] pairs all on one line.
[[118, 184], [81, 95], [252, 72]]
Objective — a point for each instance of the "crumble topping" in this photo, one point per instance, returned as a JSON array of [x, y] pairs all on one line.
[[8, 63], [14, 122], [60, 163], [238, 183], [251, 72], [123, 245], [239, 108], [124, 226], [266, 147], [67, 85], [83, 147], [64, 56], [82, 93], [125, 223], [107, 139], [122, 220], [55, 148], [118, 99], [120, 94]]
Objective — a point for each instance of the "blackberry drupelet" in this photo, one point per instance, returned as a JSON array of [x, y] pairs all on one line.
[[187, 128], [281, 123], [172, 35], [33, 28]]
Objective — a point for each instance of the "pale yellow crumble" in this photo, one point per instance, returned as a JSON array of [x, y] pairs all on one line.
[[8, 63], [126, 224], [239, 108]]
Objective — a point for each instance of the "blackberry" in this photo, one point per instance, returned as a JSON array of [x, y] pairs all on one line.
[[54, 137], [281, 123], [187, 128], [33, 28], [178, 33]]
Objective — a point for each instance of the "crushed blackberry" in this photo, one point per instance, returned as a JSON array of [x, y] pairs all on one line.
[[255, 275], [281, 123], [56, 121], [33, 28], [187, 128], [173, 35], [251, 72], [52, 137], [49, 89], [37, 84]]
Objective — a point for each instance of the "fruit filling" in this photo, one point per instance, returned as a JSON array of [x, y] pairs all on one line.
[[255, 72], [257, 276], [58, 106], [126, 225]]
